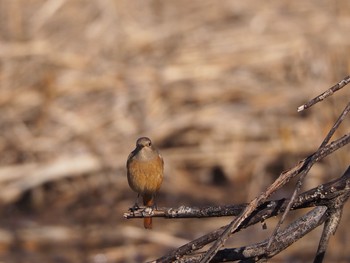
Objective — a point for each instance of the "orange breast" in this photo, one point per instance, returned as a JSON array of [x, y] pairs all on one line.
[[145, 177]]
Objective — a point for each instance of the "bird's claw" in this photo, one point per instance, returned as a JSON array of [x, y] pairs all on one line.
[[134, 208], [148, 210]]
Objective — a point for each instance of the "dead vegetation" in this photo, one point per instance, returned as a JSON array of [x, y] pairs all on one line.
[[215, 85]]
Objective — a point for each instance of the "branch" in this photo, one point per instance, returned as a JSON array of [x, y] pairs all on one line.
[[325, 94]]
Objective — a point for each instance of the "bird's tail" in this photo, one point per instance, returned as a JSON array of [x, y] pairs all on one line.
[[148, 200]]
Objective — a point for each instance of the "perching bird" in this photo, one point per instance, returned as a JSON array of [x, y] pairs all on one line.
[[145, 173]]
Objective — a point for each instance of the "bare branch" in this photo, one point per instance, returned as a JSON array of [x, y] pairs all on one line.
[[325, 94]]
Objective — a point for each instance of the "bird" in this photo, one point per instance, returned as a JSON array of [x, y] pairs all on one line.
[[145, 169]]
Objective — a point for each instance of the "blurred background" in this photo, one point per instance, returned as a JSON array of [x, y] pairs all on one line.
[[214, 84]]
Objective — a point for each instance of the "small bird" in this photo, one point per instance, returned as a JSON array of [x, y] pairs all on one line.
[[145, 168]]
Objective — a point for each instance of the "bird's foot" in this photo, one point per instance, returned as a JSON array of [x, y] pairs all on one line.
[[134, 208], [148, 210]]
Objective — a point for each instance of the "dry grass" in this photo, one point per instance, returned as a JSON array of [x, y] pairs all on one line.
[[216, 86]]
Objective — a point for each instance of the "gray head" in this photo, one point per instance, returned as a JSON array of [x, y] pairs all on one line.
[[144, 149], [143, 142]]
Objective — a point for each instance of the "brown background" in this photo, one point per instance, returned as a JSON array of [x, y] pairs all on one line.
[[215, 84]]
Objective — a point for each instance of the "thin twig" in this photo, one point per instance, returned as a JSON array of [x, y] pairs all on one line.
[[325, 94]]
